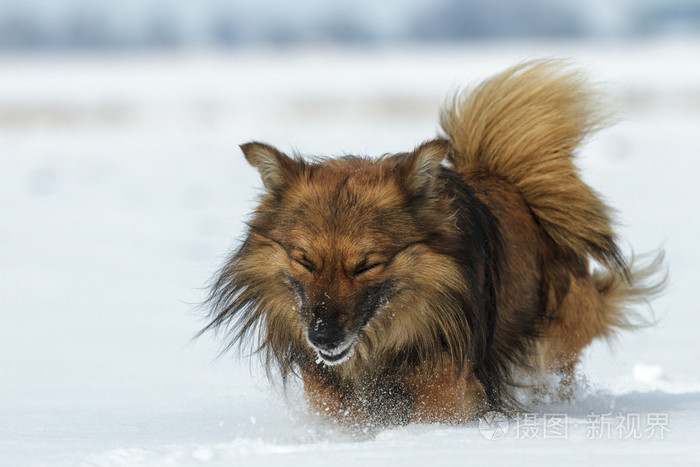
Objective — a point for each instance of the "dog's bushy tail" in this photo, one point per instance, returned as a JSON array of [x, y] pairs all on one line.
[[524, 125]]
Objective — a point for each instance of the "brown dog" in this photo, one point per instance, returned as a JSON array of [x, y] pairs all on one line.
[[402, 290]]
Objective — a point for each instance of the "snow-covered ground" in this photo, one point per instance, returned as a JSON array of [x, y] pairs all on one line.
[[122, 189]]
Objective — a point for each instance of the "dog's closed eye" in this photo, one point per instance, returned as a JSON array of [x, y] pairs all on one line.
[[365, 266]]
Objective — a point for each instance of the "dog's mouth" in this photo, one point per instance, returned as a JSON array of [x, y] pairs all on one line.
[[338, 355]]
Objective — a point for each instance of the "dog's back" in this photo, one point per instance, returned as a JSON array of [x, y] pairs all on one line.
[[513, 139]]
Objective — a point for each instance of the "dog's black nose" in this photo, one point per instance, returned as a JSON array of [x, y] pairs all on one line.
[[326, 336]]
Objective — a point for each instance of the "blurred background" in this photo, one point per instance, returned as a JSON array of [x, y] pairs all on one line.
[[122, 190], [170, 24]]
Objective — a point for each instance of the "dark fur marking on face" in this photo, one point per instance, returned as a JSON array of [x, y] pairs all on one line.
[[374, 297]]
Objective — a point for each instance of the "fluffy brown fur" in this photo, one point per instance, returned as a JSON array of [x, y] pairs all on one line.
[[402, 290]]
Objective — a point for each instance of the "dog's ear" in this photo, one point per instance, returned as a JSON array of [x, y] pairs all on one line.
[[422, 166], [274, 166]]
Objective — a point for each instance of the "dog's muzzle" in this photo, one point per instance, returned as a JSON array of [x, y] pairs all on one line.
[[330, 343]]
